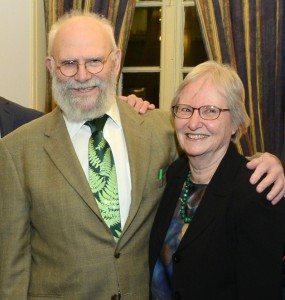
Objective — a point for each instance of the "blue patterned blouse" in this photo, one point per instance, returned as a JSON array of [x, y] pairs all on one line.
[[161, 285]]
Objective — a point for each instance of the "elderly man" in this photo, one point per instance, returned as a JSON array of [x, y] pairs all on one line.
[[75, 222]]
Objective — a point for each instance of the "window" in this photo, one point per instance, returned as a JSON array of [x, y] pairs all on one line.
[[165, 42]]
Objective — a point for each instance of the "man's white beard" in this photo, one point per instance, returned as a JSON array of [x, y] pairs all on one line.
[[83, 108]]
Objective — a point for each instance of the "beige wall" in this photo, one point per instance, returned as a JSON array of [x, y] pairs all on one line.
[[22, 52]]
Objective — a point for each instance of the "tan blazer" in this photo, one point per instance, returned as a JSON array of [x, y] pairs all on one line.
[[53, 241]]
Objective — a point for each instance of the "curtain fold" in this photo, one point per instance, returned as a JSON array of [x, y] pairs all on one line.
[[119, 12], [249, 35]]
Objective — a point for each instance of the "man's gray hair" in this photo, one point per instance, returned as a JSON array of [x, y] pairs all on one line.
[[77, 13]]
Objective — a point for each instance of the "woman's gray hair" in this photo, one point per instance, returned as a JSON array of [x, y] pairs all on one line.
[[77, 13], [228, 83]]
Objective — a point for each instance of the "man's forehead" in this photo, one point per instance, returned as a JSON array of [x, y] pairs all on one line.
[[84, 26], [81, 35]]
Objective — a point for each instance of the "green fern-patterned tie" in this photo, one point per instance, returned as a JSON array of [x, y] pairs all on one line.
[[102, 176]]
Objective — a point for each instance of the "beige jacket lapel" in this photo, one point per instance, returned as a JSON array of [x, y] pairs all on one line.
[[61, 151], [138, 140]]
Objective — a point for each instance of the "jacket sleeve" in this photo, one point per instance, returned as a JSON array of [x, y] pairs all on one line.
[[260, 237], [15, 251]]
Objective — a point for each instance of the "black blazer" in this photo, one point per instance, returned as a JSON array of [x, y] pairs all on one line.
[[13, 115], [233, 246]]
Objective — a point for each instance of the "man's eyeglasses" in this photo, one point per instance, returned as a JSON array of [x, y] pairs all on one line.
[[69, 68], [206, 112]]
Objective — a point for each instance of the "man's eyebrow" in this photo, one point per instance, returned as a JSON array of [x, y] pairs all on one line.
[[93, 57]]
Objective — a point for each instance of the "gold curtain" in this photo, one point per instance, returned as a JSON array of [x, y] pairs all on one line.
[[249, 35], [119, 12]]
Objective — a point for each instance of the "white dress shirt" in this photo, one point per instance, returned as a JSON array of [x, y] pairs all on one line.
[[114, 135]]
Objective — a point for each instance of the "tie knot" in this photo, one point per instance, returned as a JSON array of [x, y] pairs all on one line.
[[97, 124]]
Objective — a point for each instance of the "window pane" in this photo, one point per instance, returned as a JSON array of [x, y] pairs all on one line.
[[144, 85], [194, 49], [144, 42]]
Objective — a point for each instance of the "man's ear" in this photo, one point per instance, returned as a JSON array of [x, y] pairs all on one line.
[[118, 58], [49, 64]]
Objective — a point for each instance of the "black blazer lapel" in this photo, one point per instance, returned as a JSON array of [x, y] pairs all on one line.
[[215, 198], [175, 179]]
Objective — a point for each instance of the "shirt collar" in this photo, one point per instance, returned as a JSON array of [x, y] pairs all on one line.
[[74, 127]]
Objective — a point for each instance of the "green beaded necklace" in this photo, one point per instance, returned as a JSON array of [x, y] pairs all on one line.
[[183, 209]]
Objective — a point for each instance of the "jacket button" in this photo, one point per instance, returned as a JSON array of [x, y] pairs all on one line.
[[176, 257], [117, 255], [177, 295]]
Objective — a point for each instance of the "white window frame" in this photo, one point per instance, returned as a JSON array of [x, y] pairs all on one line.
[[172, 42]]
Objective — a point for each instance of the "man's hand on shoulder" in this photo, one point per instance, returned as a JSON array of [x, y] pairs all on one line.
[[269, 165], [138, 104]]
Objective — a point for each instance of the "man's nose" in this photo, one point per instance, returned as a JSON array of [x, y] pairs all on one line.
[[82, 73]]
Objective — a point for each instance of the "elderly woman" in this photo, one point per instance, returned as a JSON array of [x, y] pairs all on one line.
[[214, 236]]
